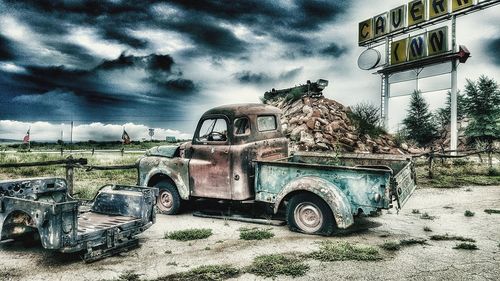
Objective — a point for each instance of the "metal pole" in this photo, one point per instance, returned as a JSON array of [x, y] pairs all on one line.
[[385, 82], [453, 117], [71, 139]]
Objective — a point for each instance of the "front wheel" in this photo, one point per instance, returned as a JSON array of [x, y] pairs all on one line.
[[309, 214], [168, 201]]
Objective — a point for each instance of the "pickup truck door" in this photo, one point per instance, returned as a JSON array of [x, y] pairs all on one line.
[[210, 164]]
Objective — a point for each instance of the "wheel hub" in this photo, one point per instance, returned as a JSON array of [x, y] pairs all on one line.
[[166, 201], [308, 217]]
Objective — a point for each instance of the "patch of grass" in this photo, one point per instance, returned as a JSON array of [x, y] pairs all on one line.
[[278, 264], [341, 251], [9, 274], [204, 273], [492, 211], [168, 251], [468, 213], [454, 176], [415, 211], [129, 276], [427, 229], [207, 248], [448, 237], [426, 216], [413, 241], [466, 246], [189, 234], [172, 263], [255, 233], [391, 246]]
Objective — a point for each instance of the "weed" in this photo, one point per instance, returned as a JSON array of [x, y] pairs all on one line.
[[9, 274], [391, 246], [468, 213], [426, 216], [466, 246], [255, 234], [427, 229], [468, 189], [172, 263], [219, 241], [412, 241], [189, 234], [447, 207], [204, 273], [168, 251], [415, 211], [331, 251], [129, 276], [278, 264], [207, 248], [492, 211], [448, 237]]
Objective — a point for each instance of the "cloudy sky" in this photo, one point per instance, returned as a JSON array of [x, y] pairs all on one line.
[[160, 64]]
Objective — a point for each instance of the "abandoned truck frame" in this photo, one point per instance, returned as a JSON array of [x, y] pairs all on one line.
[[239, 153], [109, 224]]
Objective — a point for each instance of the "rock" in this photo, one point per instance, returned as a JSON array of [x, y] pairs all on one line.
[[307, 139], [295, 133], [307, 109], [404, 146], [311, 123]]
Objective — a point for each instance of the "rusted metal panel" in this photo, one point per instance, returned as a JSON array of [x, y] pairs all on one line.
[[42, 205], [177, 169]]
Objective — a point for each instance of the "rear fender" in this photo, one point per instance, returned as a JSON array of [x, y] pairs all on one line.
[[329, 192]]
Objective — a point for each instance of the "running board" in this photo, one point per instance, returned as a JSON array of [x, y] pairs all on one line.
[[240, 218]]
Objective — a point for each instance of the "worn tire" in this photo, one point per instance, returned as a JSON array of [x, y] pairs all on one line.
[[308, 213], [169, 200]]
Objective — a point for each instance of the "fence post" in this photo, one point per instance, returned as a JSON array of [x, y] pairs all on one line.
[[70, 174]]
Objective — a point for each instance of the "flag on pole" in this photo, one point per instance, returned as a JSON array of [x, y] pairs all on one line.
[[26, 138], [125, 137]]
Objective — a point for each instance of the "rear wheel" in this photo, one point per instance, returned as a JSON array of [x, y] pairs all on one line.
[[309, 214], [168, 201]]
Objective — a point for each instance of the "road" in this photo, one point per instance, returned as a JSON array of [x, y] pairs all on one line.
[[435, 261]]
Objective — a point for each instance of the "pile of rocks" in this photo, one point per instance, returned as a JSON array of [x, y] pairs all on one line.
[[314, 124]]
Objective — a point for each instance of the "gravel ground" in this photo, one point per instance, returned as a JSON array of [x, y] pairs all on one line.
[[435, 261]]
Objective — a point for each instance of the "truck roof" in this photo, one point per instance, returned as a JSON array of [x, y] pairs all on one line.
[[234, 110]]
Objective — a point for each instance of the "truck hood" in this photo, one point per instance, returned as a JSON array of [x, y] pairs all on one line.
[[163, 150]]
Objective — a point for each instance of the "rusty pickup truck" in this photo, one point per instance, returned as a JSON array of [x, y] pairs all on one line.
[[106, 225], [239, 153]]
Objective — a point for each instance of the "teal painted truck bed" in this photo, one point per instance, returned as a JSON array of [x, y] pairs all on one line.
[[368, 182]]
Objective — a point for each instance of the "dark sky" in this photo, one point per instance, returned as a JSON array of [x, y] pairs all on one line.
[[162, 63]]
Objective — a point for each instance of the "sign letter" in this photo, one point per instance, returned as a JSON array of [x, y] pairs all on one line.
[[397, 16], [365, 31], [417, 47], [437, 8], [416, 12], [438, 41], [399, 51], [461, 4], [380, 25]]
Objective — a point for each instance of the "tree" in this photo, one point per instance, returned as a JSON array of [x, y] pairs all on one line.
[[419, 121], [443, 114], [366, 119], [482, 105]]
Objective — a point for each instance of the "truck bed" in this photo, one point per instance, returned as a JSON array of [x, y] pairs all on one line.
[[89, 222]]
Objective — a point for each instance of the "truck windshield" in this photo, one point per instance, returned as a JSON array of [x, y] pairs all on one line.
[[214, 129]]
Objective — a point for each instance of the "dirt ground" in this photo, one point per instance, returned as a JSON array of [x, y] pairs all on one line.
[[435, 261]]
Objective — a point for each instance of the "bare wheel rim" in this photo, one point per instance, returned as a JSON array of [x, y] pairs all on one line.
[[165, 200], [308, 217]]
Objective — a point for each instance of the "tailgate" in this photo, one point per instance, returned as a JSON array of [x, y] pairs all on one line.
[[404, 183]]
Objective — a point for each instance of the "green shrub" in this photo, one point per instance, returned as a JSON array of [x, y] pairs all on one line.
[[278, 264], [189, 234], [468, 213], [340, 251], [255, 234]]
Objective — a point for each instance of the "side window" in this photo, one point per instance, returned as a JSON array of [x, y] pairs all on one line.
[[213, 130], [266, 123], [241, 126]]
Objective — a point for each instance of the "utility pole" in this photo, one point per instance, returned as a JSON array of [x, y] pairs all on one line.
[[71, 139], [453, 117]]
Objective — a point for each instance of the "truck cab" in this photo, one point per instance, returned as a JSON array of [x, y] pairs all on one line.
[[218, 162]]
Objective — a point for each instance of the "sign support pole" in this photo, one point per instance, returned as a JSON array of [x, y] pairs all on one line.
[[386, 86], [453, 105]]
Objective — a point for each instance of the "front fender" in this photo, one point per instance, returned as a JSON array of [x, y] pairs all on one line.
[[329, 192], [175, 168]]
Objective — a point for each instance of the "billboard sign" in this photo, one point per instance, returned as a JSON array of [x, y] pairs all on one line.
[[416, 12]]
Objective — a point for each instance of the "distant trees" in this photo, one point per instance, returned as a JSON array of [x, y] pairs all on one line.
[[443, 114], [419, 123], [482, 106], [366, 119]]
